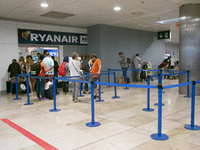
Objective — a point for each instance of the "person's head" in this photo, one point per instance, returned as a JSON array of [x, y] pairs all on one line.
[[137, 55], [75, 56], [38, 55], [47, 54], [21, 58], [53, 57], [45, 51], [121, 54], [29, 60], [14, 60], [166, 61], [87, 57], [66, 59], [82, 57], [169, 57], [41, 57], [93, 57]]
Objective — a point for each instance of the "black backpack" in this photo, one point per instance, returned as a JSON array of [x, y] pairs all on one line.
[[35, 69], [85, 66]]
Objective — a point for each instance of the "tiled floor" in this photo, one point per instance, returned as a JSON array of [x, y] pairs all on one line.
[[124, 126]]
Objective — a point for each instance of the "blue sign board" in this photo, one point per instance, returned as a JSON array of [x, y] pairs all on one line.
[[26, 36]]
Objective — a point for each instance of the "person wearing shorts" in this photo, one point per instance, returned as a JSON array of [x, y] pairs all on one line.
[[96, 69]]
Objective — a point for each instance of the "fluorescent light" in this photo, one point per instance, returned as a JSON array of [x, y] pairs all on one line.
[[117, 8], [44, 5], [168, 21]]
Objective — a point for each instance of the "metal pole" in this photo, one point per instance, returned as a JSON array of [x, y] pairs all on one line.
[[92, 123], [99, 80], [54, 97], [81, 92], [148, 97], [115, 88], [109, 77], [188, 86], [16, 84], [126, 88], [28, 98]]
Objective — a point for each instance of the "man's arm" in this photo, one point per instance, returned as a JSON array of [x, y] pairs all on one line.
[[99, 70]]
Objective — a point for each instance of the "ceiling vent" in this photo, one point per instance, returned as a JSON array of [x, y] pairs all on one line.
[[57, 15]]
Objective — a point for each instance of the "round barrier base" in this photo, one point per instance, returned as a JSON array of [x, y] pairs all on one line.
[[126, 88], [54, 110], [95, 124], [189, 127], [28, 103], [163, 137], [148, 109], [187, 96], [100, 100], [17, 98], [116, 97], [81, 96], [156, 104]]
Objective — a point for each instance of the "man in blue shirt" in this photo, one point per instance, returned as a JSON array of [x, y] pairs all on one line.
[[49, 63]]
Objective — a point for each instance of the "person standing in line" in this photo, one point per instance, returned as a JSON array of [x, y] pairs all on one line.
[[22, 64], [50, 65], [14, 70], [96, 69], [29, 63], [86, 68], [137, 64], [38, 55], [40, 83], [123, 63], [74, 66], [55, 72], [66, 83]]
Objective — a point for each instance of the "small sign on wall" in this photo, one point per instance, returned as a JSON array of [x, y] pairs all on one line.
[[164, 35]]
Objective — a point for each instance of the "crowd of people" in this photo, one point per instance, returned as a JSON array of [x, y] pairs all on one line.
[[88, 67]]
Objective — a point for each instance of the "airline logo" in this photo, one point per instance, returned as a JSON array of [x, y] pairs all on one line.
[[49, 37]]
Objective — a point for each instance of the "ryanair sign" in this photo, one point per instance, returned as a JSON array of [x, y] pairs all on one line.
[[47, 37]]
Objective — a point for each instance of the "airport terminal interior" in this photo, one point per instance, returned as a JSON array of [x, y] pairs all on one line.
[[135, 84]]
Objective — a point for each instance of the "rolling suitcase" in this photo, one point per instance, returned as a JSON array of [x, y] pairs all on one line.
[[49, 93]]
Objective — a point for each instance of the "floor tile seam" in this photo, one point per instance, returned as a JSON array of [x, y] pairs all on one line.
[[186, 141]]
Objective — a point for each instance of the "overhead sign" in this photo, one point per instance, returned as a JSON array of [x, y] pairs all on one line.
[[164, 35], [26, 36]]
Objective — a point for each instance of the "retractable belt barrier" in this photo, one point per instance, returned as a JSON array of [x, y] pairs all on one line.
[[156, 136]]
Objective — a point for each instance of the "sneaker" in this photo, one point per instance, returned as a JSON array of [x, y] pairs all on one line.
[[38, 98], [30, 93], [44, 99], [95, 97], [72, 99], [89, 92], [75, 101], [84, 92]]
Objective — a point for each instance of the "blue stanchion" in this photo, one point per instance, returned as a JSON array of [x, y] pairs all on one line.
[[148, 98], [99, 80], [126, 88], [16, 84], [188, 86], [28, 97], [159, 136], [142, 70], [177, 85], [81, 92], [115, 88], [160, 83], [109, 77], [92, 123], [54, 97], [192, 126]]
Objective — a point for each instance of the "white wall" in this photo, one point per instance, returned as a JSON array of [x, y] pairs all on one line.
[[9, 42]]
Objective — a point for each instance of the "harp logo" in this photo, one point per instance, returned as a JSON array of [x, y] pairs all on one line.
[[25, 35]]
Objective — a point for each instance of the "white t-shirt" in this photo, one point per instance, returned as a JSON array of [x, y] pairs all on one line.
[[73, 71], [137, 63]]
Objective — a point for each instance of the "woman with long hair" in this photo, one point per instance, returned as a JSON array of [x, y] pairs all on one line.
[[31, 81], [22, 64]]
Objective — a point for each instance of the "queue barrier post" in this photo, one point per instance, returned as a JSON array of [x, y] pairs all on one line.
[[92, 123], [192, 126], [115, 88], [54, 97], [126, 88], [81, 92], [148, 97], [160, 83], [109, 77], [99, 80], [27, 87], [16, 84], [159, 136], [188, 86]]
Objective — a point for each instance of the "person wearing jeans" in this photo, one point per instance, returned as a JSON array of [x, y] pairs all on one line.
[[87, 77], [123, 63], [66, 83]]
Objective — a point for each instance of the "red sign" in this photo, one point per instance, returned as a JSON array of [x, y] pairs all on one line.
[[177, 25]]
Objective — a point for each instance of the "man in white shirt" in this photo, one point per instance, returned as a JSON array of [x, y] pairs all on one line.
[[137, 64]]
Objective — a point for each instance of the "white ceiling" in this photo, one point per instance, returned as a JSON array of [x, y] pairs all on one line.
[[92, 12]]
